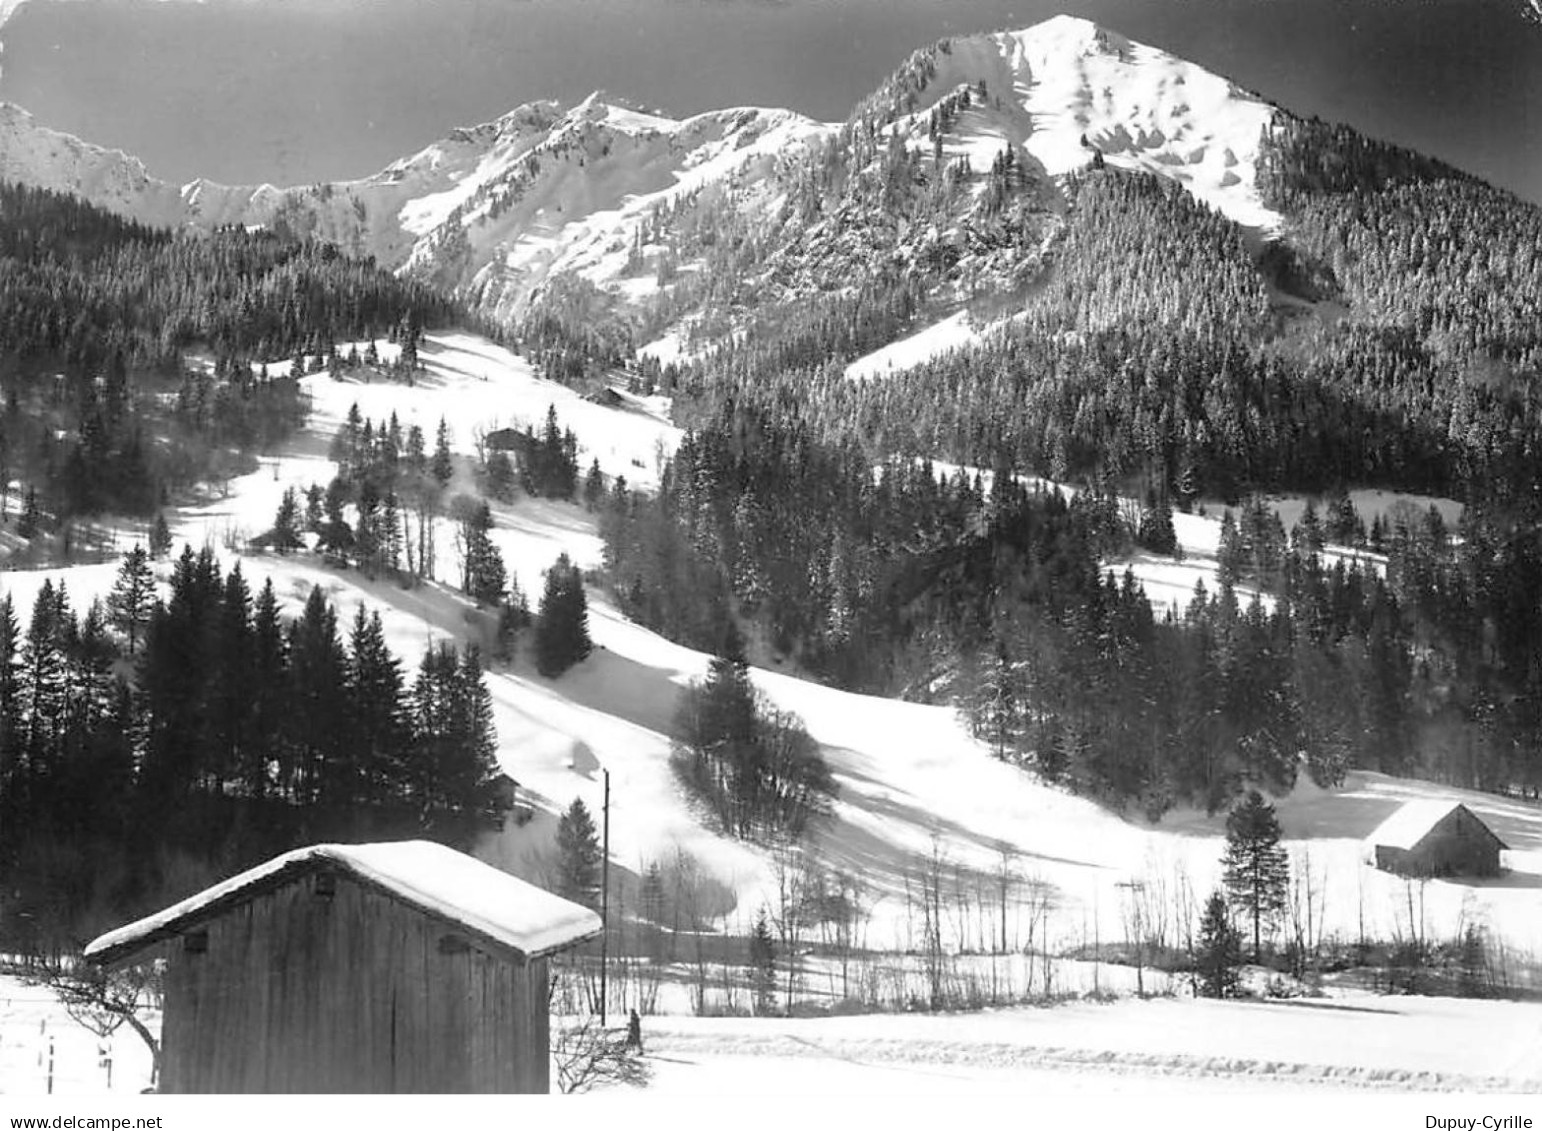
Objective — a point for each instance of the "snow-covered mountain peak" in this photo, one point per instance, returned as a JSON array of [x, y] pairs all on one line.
[[496, 210], [1068, 91], [1073, 35]]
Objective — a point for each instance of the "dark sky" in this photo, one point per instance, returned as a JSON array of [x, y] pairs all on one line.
[[306, 90]]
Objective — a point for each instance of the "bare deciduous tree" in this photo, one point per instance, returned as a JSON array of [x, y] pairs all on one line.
[[103, 1001]]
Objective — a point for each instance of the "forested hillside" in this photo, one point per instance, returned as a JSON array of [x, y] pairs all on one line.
[[148, 745], [104, 408], [1388, 335]]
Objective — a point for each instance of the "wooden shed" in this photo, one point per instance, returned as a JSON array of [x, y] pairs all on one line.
[[1435, 838], [401, 967]]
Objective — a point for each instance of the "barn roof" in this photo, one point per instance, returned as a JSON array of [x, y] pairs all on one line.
[[435, 880], [1412, 822]]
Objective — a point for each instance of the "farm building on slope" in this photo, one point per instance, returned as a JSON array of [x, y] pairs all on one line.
[[404, 967], [1435, 838]]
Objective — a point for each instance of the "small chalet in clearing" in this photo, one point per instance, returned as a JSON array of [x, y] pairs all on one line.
[[401, 967], [1435, 838]]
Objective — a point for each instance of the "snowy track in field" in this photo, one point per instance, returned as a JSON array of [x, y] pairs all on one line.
[[1129, 1046], [966, 1062]]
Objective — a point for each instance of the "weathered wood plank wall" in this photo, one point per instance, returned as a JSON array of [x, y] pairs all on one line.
[[354, 991]]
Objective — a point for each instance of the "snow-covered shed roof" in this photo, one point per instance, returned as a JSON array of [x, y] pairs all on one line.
[[1412, 822], [436, 880]]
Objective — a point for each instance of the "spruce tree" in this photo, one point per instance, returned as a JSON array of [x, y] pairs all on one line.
[[132, 596], [160, 538], [417, 451], [476, 743], [594, 486], [500, 476], [231, 689], [651, 896], [578, 856], [46, 679], [432, 748], [286, 523], [31, 521], [318, 720], [268, 751], [10, 708], [1220, 950], [337, 537], [377, 711], [763, 964], [483, 576], [562, 623], [441, 467], [1255, 867], [513, 618]]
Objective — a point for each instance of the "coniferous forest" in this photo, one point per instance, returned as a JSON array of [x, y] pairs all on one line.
[[148, 745], [98, 317]]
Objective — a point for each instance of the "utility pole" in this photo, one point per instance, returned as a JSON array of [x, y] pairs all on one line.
[[605, 898]]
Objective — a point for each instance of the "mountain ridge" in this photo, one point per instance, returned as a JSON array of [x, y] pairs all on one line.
[[952, 175], [492, 211]]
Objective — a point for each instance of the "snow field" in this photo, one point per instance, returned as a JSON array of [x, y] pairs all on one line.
[[952, 333], [1400, 1044]]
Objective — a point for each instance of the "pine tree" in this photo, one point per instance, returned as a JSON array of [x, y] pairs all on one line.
[[132, 596], [562, 623], [1220, 950], [1256, 868], [578, 856]]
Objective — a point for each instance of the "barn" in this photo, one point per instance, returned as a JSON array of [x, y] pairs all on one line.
[[398, 967], [1435, 838]]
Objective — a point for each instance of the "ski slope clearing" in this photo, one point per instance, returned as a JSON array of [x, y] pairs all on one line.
[[916, 791]]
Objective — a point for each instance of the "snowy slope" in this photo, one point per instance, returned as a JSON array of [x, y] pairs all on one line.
[[912, 781], [955, 332]]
